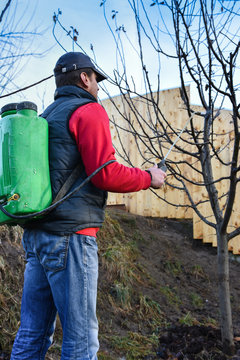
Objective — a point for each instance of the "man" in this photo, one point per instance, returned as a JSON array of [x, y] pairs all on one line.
[[61, 250]]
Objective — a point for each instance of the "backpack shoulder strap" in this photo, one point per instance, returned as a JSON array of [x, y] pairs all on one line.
[[68, 183]]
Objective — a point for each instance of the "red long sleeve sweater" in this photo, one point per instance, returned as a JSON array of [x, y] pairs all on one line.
[[89, 125]]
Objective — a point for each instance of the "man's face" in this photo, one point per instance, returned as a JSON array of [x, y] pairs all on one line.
[[93, 85]]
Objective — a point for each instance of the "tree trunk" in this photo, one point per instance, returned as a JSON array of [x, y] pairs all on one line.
[[224, 295]]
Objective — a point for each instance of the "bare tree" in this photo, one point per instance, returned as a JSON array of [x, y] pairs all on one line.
[[15, 43], [202, 37]]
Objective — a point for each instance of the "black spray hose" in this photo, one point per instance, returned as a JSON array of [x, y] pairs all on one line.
[[53, 206]]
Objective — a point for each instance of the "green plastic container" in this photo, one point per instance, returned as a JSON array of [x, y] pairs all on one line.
[[24, 166]]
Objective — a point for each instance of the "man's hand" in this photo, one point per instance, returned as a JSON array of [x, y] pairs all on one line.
[[158, 177]]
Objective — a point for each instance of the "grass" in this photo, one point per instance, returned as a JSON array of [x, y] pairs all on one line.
[[137, 236], [210, 322], [134, 345], [122, 295], [131, 221], [199, 273], [10, 296], [150, 311], [104, 356], [170, 295], [173, 266], [118, 255], [188, 320], [196, 300]]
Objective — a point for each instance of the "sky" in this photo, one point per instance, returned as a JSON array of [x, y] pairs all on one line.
[[87, 17]]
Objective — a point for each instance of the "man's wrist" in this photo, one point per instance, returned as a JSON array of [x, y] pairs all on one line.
[[149, 172]]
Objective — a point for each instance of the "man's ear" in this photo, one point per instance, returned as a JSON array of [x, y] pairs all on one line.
[[84, 79]]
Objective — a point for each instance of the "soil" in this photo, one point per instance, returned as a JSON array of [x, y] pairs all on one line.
[[191, 342], [180, 275]]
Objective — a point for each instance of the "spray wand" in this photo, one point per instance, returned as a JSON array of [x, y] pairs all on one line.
[[162, 164]]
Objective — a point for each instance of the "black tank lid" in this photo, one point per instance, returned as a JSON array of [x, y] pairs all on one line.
[[27, 105], [9, 107]]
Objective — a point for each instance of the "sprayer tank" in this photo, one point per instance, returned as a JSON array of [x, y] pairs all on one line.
[[24, 166]]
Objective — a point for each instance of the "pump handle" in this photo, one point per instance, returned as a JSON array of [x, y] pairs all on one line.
[[162, 165]]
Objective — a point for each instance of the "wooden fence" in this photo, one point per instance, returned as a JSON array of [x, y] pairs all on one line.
[[146, 203]]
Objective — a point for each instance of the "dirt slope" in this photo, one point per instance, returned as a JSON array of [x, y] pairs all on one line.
[[179, 274]]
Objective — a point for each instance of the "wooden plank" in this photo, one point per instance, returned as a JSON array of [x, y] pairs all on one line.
[[176, 115], [198, 192], [223, 129], [234, 245]]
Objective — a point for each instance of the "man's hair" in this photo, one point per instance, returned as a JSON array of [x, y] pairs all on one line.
[[72, 77]]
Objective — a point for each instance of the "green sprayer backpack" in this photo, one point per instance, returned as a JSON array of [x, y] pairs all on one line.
[[25, 186]]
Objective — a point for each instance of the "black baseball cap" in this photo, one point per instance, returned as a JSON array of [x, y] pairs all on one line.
[[73, 61]]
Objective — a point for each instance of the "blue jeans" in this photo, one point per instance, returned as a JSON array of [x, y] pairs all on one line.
[[60, 276]]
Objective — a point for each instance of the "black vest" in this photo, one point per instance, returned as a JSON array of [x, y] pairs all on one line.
[[86, 207]]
